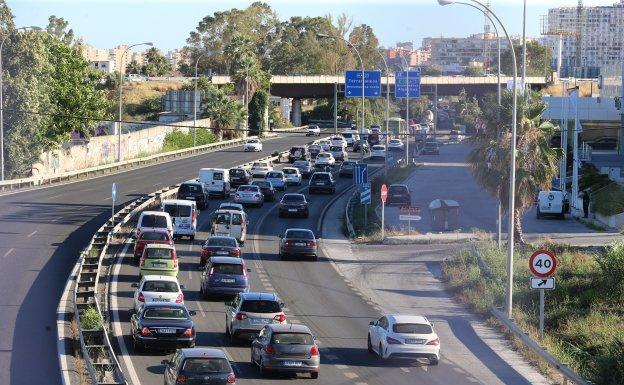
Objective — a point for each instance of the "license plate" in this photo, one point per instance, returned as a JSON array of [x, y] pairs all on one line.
[[157, 264], [160, 300], [320, 183], [190, 198], [222, 253], [414, 341], [228, 280], [259, 321], [293, 363], [300, 244], [166, 331], [184, 225], [292, 210]]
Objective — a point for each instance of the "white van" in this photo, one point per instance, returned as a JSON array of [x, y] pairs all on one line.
[[216, 181], [183, 214], [350, 136], [230, 223], [154, 220], [552, 203]]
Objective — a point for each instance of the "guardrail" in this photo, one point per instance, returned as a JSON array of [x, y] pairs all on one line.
[[13, 184], [97, 351]]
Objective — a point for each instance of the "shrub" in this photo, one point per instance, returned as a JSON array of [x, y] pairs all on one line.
[[177, 140], [612, 268], [609, 200], [91, 319]]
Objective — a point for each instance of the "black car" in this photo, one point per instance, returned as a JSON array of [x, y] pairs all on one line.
[[266, 188], [198, 366], [305, 168], [431, 148], [314, 150], [358, 144], [373, 139], [219, 246], [346, 168], [293, 204], [162, 326], [194, 191], [298, 153], [298, 242], [239, 177], [322, 182], [398, 194]]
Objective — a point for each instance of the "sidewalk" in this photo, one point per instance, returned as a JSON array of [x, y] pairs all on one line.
[[407, 279]]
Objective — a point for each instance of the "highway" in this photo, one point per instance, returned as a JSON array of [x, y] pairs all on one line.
[[41, 234]]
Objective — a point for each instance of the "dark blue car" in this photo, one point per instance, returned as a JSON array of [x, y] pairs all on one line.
[[224, 276]]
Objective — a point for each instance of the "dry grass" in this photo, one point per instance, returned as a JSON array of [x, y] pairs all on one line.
[[136, 92], [586, 88]]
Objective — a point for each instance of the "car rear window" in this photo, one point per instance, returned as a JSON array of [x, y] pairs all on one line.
[[161, 286], [153, 220], [289, 171], [378, 148], [186, 188], [397, 189], [300, 163], [248, 188], [178, 210], [292, 339], [293, 198], [206, 365], [227, 268], [252, 141], [217, 176], [297, 150], [165, 313], [412, 328], [323, 155], [151, 236], [321, 176], [262, 184], [299, 234], [259, 164], [223, 219], [237, 172], [158, 253], [274, 175], [237, 219], [260, 306], [335, 148], [230, 242]]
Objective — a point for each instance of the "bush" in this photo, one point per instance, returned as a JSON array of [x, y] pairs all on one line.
[[177, 140], [91, 319], [609, 201], [612, 267]]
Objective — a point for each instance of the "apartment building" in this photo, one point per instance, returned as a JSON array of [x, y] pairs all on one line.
[[106, 66], [415, 58], [175, 57], [463, 51], [93, 54]]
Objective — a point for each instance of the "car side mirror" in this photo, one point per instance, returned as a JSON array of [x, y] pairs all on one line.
[[192, 313], [282, 304], [182, 287], [372, 323], [135, 285], [165, 362], [249, 270], [229, 304]]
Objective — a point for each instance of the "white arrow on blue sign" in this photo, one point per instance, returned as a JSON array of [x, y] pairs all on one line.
[[353, 84], [360, 173], [365, 194]]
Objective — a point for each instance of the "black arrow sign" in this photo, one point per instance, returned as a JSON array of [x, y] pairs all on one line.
[[542, 283]]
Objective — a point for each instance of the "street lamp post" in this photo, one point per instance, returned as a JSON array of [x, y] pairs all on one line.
[[120, 96], [2, 100], [387, 105], [195, 101], [407, 114], [512, 165]]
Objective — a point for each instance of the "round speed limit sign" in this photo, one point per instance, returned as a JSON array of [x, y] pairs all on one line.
[[543, 263]]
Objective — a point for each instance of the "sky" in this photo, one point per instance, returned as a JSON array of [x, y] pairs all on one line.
[[167, 23]]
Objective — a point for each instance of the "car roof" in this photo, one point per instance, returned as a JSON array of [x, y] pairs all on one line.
[[404, 318], [160, 278], [154, 213], [203, 352], [296, 229], [178, 202], [230, 204], [248, 185], [292, 328], [164, 304], [155, 230], [159, 246], [322, 173], [230, 260], [259, 296], [191, 181]]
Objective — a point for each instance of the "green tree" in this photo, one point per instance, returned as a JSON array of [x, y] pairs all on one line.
[[226, 115], [473, 71], [468, 111], [538, 59], [57, 27], [156, 64], [536, 162], [364, 39], [257, 108], [432, 70], [134, 68]]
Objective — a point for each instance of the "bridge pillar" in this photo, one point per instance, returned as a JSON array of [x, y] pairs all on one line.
[[295, 112]]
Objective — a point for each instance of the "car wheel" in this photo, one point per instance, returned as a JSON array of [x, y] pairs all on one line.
[[433, 362], [381, 355], [315, 257], [233, 339], [314, 375], [192, 237], [370, 346]]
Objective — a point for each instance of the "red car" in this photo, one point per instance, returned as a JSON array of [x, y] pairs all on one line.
[[147, 237]]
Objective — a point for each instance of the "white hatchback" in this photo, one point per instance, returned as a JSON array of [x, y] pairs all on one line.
[[404, 336], [293, 175], [324, 159], [378, 151], [157, 288], [253, 144], [261, 168]]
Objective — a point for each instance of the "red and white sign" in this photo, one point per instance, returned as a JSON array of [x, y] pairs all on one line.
[[409, 210], [384, 193], [543, 263]]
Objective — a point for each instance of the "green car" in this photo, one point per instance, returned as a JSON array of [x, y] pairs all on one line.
[[159, 259]]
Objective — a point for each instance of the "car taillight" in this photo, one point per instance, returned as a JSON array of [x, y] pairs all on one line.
[[311, 244], [392, 341], [280, 317], [288, 243], [240, 316], [188, 332], [181, 379], [314, 351], [194, 215], [434, 342], [231, 378], [208, 252], [235, 252], [141, 297], [180, 298], [175, 263], [145, 332], [269, 349]]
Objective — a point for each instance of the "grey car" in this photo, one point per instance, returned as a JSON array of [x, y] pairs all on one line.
[[250, 312], [286, 348], [346, 168], [198, 365], [248, 195], [298, 242]]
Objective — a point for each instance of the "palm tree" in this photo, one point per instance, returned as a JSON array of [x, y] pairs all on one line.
[[536, 163], [224, 113]]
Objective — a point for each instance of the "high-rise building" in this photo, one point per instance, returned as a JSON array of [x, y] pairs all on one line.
[[115, 54], [591, 37], [463, 51], [93, 54], [175, 57]]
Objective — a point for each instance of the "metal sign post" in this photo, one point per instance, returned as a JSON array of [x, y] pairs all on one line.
[[114, 198], [384, 196], [365, 199], [409, 214], [542, 264]]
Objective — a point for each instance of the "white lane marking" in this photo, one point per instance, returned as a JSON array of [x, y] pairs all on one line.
[[107, 199], [134, 378], [258, 266], [190, 248], [350, 375], [406, 370], [361, 383], [424, 367], [201, 308], [341, 367], [9, 252], [60, 327], [156, 184], [133, 190], [31, 234]]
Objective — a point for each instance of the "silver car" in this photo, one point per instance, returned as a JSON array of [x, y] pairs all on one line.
[[250, 312], [249, 195], [286, 348]]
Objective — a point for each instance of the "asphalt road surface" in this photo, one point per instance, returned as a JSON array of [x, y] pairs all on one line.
[[41, 234]]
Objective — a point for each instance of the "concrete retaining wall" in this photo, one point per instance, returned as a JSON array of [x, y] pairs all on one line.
[[99, 150]]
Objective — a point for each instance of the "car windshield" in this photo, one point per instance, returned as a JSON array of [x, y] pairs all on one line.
[[206, 365], [223, 219], [378, 148], [158, 253], [152, 236], [176, 210], [299, 234], [260, 306], [274, 175], [346, 136], [165, 313], [296, 150], [262, 184], [248, 188], [154, 221], [218, 241], [227, 268], [292, 339], [161, 286], [314, 147], [290, 171], [412, 328], [293, 198], [186, 188], [252, 141]]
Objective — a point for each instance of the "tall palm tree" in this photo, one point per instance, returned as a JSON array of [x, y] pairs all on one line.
[[536, 163]]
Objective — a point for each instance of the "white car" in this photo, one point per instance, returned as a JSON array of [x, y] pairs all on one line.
[[249, 195], [338, 141], [378, 152], [253, 144], [261, 168], [455, 136], [293, 175], [231, 206], [324, 159], [313, 130], [396, 145], [157, 288], [404, 336], [135, 78]]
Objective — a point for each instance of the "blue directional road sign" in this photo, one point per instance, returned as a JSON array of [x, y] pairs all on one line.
[[114, 192], [360, 173], [401, 78], [365, 194], [353, 84]]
